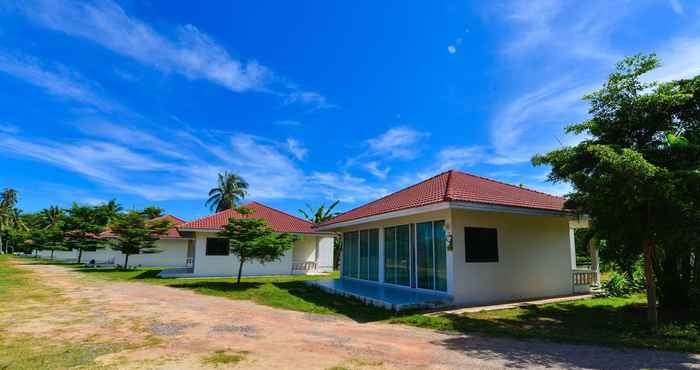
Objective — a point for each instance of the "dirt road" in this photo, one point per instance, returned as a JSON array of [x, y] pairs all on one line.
[[183, 327]]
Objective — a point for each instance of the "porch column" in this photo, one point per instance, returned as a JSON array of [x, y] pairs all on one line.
[[595, 262], [572, 247], [381, 255]]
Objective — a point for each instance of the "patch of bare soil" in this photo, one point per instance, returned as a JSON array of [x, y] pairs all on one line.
[[173, 328]]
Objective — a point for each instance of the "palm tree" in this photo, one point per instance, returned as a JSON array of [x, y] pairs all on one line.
[[51, 216], [9, 216], [320, 214], [230, 190]]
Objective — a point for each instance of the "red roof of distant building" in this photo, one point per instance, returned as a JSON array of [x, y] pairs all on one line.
[[172, 232], [276, 220], [455, 186]]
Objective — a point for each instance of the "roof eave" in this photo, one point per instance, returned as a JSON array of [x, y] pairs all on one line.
[[447, 205]]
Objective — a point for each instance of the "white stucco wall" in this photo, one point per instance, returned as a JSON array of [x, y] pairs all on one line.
[[307, 248], [325, 254], [228, 265], [174, 253], [533, 258]]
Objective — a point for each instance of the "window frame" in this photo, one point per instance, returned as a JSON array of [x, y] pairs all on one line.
[[489, 259], [206, 248]]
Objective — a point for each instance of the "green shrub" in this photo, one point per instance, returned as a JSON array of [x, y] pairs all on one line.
[[617, 285]]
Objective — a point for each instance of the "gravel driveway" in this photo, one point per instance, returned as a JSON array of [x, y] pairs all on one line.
[[190, 326]]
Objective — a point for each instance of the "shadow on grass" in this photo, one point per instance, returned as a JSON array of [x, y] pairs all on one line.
[[222, 287], [119, 274], [594, 322]]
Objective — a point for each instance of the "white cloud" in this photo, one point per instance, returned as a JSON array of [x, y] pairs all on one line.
[[373, 167], [183, 49], [296, 148], [345, 187], [58, 81], [534, 121], [310, 98], [563, 29], [679, 59], [400, 142], [451, 49], [459, 157], [676, 6], [8, 129]]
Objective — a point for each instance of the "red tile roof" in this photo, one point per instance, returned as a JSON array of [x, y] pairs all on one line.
[[276, 220], [172, 232], [455, 186]]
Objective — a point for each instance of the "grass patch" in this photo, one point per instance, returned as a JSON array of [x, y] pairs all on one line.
[[20, 295], [224, 358], [615, 322]]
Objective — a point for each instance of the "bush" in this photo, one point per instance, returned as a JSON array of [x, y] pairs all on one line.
[[619, 285]]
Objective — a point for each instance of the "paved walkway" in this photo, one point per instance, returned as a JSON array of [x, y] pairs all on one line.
[[190, 326], [503, 306]]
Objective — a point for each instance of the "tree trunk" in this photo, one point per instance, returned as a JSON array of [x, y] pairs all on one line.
[[80, 255], [240, 271], [52, 254], [2, 247], [126, 261], [652, 314]]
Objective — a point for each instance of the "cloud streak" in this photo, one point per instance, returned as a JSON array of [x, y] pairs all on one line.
[[184, 49], [58, 80]]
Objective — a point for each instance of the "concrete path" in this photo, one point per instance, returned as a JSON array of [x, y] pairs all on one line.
[[191, 326], [503, 306]]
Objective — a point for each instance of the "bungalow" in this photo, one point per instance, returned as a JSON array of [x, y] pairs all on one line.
[[458, 238], [312, 252], [175, 250]]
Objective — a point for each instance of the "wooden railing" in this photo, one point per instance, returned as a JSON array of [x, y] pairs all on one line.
[[304, 266], [584, 277], [189, 261]]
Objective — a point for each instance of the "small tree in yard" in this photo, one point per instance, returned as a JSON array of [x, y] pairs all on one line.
[[251, 240], [81, 228], [136, 234]]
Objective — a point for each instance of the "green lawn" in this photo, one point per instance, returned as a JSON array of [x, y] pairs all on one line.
[[20, 294], [608, 321]]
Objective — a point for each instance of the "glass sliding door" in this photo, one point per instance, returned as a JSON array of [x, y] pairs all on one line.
[[403, 255], [440, 241], [374, 254], [364, 254], [361, 254], [390, 255], [425, 256], [415, 255]]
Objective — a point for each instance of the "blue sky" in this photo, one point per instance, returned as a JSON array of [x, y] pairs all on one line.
[[146, 101]]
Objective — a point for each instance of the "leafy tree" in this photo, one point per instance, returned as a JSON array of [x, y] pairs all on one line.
[[637, 175], [108, 212], [322, 214], [47, 231], [82, 227], [251, 240], [152, 212], [230, 190], [136, 234]]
